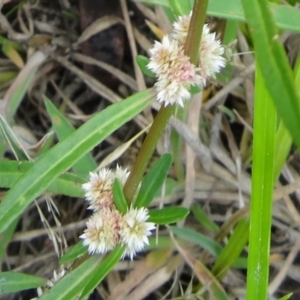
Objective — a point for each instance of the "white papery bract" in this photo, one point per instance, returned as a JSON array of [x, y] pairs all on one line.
[[107, 227], [211, 50], [175, 74], [102, 232], [98, 190], [134, 230]]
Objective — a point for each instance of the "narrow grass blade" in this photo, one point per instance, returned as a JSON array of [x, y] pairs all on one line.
[[262, 190], [63, 128], [232, 250], [66, 184], [63, 155], [273, 64], [203, 218], [13, 282], [73, 253], [197, 238], [74, 282], [5, 238], [103, 269]]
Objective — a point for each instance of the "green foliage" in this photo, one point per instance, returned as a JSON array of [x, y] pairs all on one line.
[[143, 61], [262, 190], [63, 128], [167, 215], [13, 282], [63, 155], [119, 198], [153, 181], [73, 253]]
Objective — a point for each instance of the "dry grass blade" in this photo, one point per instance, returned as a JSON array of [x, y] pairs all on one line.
[[98, 26], [193, 123], [135, 279], [90, 81], [138, 73], [120, 150], [116, 72], [32, 64], [276, 282]]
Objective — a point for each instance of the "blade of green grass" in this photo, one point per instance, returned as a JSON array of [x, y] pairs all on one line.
[[5, 238], [264, 130], [63, 155], [13, 282], [63, 128], [66, 184], [232, 250], [274, 65], [74, 282]]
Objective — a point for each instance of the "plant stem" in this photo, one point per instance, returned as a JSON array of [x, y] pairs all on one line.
[[192, 50], [194, 36], [147, 150]]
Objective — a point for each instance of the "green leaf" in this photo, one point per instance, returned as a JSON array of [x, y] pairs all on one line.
[[119, 197], [197, 238], [66, 184], [169, 188], [203, 218], [63, 128], [286, 297], [73, 283], [5, 239], [206, 243], [142, 62], [264, 131], [13, 282], [232, 250], [153, 181], [167, 215], [73, 253], [181, 8], [274, 66], [63, 155], [7, 76], [103, 269], [195, 89], [10, 138]]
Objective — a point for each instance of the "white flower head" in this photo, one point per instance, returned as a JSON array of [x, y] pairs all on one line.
[[102, 232], [134, 230], [175, 73], [181, 27], [98, 190], [211, 50]]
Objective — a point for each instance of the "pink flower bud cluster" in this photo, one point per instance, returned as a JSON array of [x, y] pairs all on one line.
[[107, 227], [176, 75]]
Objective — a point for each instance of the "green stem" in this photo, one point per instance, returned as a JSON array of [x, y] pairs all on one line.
[[194, 36], [147, 150], [192, 50]]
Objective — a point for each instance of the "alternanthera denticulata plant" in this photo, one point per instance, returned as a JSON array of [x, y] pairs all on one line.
[[176, 75], [121, 220]]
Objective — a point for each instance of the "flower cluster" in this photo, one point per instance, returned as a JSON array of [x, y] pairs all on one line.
[[175, 73], [107, 227]]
